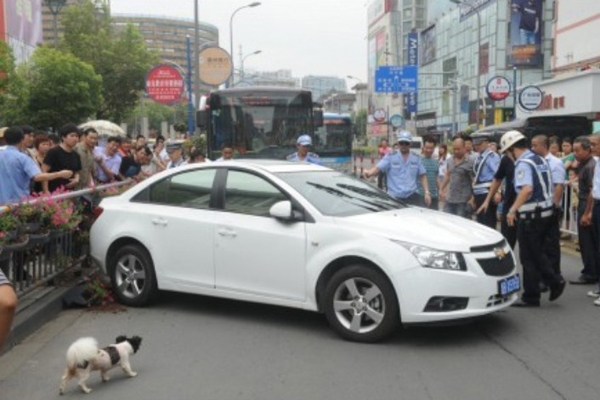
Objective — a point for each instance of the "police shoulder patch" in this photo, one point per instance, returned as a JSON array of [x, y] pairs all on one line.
[[521, 174]]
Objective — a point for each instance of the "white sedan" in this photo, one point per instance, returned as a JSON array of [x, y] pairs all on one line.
[[303, 236]]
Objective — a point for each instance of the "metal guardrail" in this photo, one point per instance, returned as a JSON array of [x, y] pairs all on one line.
[[569, 219], [44, 257]]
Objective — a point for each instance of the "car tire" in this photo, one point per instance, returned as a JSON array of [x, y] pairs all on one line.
[[132, 276], [361, 304]]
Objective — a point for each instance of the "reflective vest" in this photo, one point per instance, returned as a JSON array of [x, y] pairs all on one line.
[[541, 203], [477, 167]]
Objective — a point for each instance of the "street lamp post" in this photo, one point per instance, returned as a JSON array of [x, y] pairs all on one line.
[[474, 9], [255, 4], [55, 7], [244, 59]]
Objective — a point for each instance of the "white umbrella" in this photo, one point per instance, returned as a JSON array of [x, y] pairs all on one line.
[[104, 128]]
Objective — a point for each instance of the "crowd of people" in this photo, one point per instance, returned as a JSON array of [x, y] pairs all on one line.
[[517, 184]]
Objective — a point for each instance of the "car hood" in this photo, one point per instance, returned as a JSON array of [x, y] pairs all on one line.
[[425, 227]]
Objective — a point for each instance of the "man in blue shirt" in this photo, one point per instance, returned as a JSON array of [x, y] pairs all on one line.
[[17, 169], [535, 208], [403, 169], [303, 144], [485, 167]]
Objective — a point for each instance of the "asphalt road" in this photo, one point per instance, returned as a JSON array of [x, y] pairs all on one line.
[[201, 348]]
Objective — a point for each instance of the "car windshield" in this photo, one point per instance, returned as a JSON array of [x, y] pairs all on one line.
[[336, 194]]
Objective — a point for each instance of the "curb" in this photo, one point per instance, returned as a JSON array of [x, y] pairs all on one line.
[[34, 314]]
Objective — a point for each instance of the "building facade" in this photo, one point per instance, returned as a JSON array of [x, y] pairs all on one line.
[[577, 26], [320, 85], [389, 24], [461, 53], [280, 78]]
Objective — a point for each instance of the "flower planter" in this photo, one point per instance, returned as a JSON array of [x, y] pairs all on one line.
[[56, 234], [11, 247], [38, 238], [31, 227]]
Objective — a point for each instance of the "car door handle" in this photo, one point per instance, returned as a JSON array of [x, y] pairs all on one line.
[[160, 221], [227, 232]]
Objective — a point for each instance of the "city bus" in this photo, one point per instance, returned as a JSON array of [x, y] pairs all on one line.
[[334, 141], [258, 122]]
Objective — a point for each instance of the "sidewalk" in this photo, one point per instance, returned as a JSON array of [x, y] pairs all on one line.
[[38, 307]]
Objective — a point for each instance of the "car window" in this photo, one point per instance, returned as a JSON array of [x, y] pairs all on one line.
[[249, 194], [189, 189]]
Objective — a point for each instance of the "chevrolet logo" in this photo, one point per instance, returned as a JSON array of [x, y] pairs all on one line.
[[500, 253]]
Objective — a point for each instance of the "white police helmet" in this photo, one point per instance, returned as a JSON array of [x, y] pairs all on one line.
[[509, 139], [404, 136], [304, 140]]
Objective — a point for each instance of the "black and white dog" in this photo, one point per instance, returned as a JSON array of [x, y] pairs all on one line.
[[84, 356]]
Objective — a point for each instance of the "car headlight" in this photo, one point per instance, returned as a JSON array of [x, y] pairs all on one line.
[[437, 259]]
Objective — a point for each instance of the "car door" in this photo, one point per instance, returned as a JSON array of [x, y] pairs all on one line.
[[179, 221], [254, 252]]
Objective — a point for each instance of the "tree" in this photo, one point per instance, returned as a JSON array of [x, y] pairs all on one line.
[[12, 89], [58, 88], [120, 56], [360, 122]]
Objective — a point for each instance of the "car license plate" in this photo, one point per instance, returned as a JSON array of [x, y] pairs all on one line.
[[509, 285]]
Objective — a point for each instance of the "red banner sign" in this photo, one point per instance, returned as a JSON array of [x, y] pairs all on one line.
[[165, 85]]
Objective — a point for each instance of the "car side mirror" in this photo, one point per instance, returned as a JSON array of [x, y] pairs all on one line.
[[282, 210]]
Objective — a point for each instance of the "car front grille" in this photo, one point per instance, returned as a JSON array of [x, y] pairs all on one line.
[[497, 299], [497, 266]]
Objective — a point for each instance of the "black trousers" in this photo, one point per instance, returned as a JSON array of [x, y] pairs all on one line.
[[588, 243], [509, 232], [532, 234], [487, 218], [414, 199], [552, 245]]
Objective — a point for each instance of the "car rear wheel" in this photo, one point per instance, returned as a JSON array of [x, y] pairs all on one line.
[[361, 304], [132, 276]]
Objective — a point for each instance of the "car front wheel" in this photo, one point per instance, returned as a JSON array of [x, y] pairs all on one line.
[[361, 304], [132, 276]]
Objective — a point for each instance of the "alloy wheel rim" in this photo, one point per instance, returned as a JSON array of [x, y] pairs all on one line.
[[130, 276], [359, 305]]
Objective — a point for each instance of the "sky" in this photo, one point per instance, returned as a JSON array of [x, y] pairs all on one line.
[[308, 37]]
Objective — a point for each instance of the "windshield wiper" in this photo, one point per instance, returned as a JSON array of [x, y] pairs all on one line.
[[374, 207]]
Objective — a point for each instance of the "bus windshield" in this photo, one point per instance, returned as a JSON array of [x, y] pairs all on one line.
[[335, 137], [259, 124]]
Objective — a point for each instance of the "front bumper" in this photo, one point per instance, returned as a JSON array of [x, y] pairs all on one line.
[[417, 286]]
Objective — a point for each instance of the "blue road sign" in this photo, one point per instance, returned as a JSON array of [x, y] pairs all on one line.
[[390, 79]]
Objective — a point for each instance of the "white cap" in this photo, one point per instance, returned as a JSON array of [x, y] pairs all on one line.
[[404, 136], [304, 140]]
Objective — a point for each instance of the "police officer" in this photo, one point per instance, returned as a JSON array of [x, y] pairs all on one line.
[[485, 167], [533, 211], [175, 153], [303, 154], [403, 169], [540, 145]]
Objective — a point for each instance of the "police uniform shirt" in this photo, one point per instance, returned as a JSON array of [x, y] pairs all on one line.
[[523, 173], [310, 158], [486, 171], [176, 164], [401, 175], [596, 182], [557, 169]]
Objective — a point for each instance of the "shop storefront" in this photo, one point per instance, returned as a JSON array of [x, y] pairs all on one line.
[[574, 95]]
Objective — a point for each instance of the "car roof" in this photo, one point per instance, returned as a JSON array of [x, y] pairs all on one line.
[[272, 166]]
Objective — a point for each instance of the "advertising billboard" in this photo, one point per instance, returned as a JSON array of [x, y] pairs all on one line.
[[377, 9], [411, 100], [428, 45], [215, 66], [23, 27], [165, 85], [525, 38], [2, 25]]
